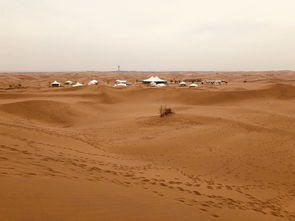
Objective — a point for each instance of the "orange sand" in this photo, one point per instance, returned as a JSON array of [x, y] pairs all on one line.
[[101, 153]]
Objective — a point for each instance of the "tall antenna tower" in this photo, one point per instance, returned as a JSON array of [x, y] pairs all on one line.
[[118, 68]]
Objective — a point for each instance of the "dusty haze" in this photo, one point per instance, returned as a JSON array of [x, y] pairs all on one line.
[[67, 35]]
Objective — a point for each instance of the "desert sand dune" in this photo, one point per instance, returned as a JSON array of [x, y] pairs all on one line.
[[101, 153]]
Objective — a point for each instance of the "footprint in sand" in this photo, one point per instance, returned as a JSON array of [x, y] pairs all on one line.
[[215, 215], [180, 188], [196, 192]]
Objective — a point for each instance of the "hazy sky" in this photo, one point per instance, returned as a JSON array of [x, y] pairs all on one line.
[[154, 35]]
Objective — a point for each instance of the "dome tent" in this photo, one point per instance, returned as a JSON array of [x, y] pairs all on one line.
[[78, 84], [182, 84], [93, 82], [55, 84], [193, 85], [120, 85], [68, 82]]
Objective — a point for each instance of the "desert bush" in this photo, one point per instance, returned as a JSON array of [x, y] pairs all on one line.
[[164, 111]]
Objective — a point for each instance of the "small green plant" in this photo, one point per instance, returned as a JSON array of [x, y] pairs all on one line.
[[164, 111]]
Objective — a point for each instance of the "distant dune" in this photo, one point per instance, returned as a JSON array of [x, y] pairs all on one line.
[[102, 153]]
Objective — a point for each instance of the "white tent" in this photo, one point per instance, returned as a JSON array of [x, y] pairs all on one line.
[[120, 85], [78, 84], [155, 79], [193, 85], [55, 84], [182, 84], [153, 84], [93, 82], [160, 85], [69, 82]]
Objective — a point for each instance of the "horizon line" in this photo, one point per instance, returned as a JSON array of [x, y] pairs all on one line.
[[134, 71]]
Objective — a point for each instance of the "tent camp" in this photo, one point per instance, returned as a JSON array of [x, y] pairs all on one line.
[[155, 79], [55, 84], [68, 82], [93, 82], [182, 84], [160, 85], [120, 85], [193, 85], [78, 84], [122, 82]]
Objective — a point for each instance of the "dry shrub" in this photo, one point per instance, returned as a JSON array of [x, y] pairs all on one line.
[[164, 111]]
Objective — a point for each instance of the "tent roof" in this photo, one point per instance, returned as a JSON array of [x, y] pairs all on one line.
[[55, 82], [120, 85], [92, 82], [154, 79], [77, 84]]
